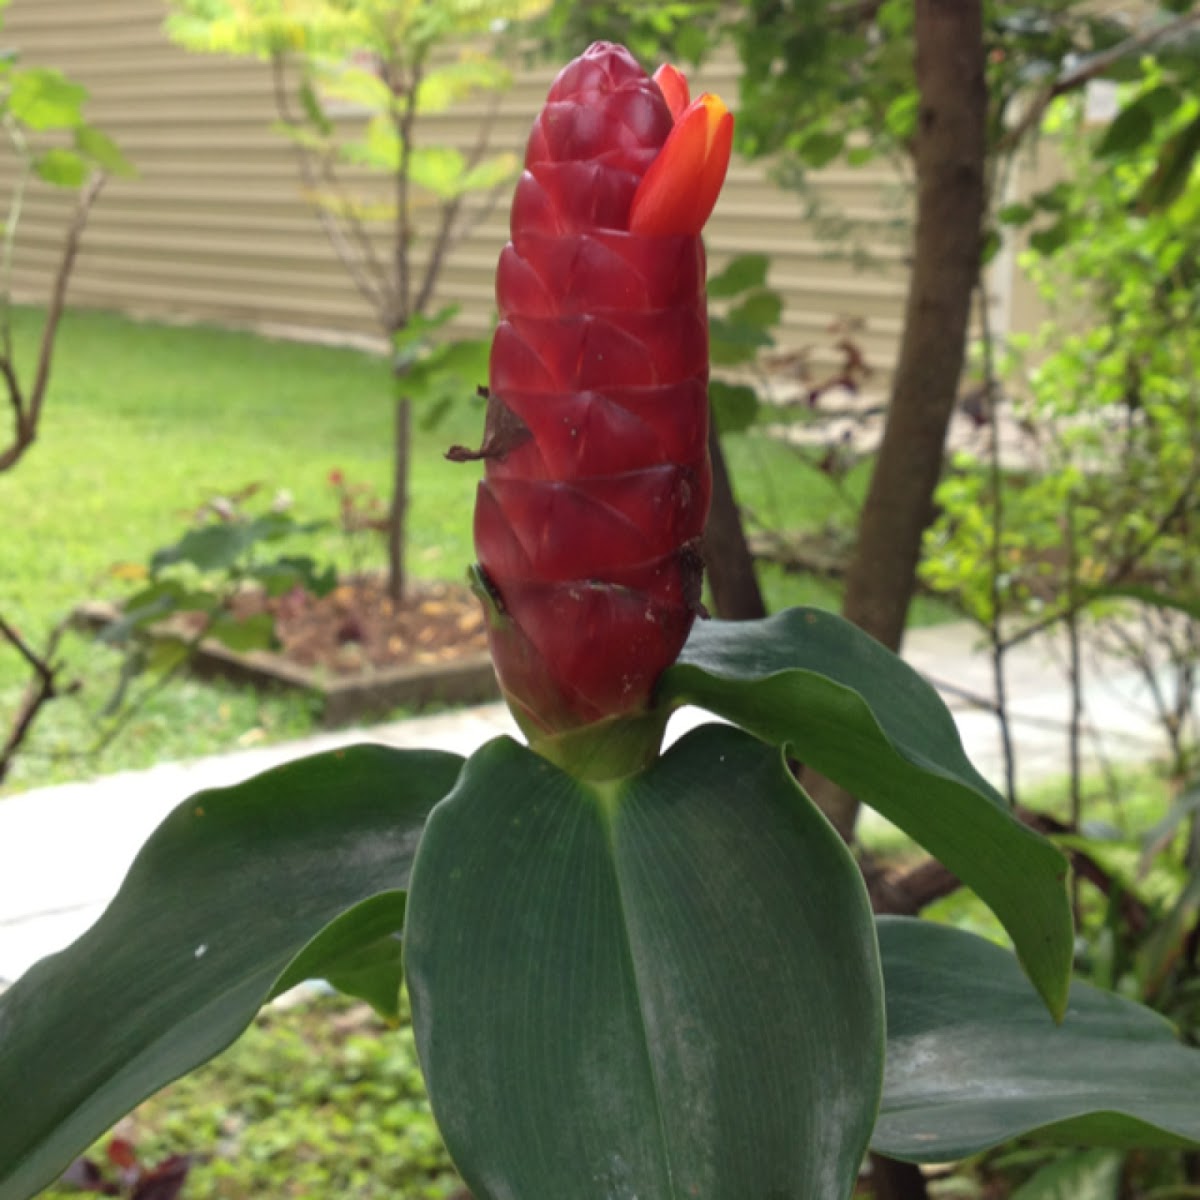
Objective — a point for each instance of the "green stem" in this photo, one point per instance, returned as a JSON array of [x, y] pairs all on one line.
[[607, 750]]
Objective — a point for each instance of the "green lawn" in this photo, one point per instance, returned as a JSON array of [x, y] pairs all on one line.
[[144, 422]]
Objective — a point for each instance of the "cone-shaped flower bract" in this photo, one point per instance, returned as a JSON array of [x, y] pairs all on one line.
[[597, 476]]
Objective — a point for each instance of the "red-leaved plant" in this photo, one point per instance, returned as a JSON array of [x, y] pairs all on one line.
[[632, 974]]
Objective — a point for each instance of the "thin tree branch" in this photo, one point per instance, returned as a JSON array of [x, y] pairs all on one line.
[[28, 409], [17, 137], [363, 267], [996, 552], [21, 438], [1121, 569], [403, 121], [41, 690], [1093, 68], [58, 297], [450, 230]]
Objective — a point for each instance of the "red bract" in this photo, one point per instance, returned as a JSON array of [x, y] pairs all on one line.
[[597, 480]]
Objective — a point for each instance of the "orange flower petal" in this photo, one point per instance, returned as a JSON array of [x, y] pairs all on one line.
[[674, 86], [678, 192]]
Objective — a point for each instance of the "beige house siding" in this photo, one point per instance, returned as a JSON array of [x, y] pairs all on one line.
[[215, 228]]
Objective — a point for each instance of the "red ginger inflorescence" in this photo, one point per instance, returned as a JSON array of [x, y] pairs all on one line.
[[597, 479]]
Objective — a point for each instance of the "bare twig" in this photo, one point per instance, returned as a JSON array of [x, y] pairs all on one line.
[[1133, 911], [1075, 678], [1122, 568], [363, 266], [403, 120], [17, 136], [451, 229], [996, 551], [43, 688], [16, 399], [1093, 68], [58, 296], [29, 408]]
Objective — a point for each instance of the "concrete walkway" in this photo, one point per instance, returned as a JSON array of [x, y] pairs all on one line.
[[65, 849]]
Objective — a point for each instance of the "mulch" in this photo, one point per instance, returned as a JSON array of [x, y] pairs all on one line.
[[356, 627]]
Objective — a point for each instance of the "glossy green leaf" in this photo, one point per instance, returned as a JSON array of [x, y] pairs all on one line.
[[732, 343], [1135, 124], [664, 987], [858, 714], [103, 151], [42, 98], [740, 274], [820, 147], [222, 898], [210, 548], [360, 954], [973, 1059], [1176, 160], [1051, 238], [760, 311], [734, 406]]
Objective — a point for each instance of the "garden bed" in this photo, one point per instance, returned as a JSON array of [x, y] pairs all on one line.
[[349, 648]]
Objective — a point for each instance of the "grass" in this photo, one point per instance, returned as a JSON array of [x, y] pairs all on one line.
[[145, 422]]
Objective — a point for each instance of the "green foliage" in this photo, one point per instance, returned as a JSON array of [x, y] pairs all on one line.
[[197, 941], [375, 61], [193, 589], [337, 834], [692, 927], [1155, 870], [966, 1039], [236, 407], [40, 105], [317, 1098], [860, 712], [41, 98], [334, 28], [272, 419], [442, 372], [1110, 403], [375, 57], [744, 325], [679, 31]]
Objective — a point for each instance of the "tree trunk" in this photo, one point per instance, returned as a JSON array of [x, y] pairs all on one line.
[[950, 152], [398, 514], [735, 590]]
